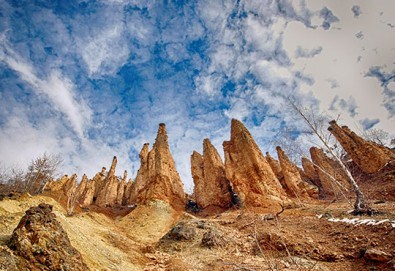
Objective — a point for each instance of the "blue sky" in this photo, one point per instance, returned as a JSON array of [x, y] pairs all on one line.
[[92, 79]]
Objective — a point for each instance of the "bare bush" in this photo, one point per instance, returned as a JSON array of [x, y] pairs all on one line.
[[40, 170]]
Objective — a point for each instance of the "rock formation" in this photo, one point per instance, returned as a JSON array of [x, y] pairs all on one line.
[[56, 185], [275, 166], [82, 187], [107, 196], [249, 173], [41, 241], [328, 171], [86, 198], [157, 177], [294, 185], [369, 156], [127, 193], [310, 171], [208, 172], [142, 176], [121, 189], [98, 181]]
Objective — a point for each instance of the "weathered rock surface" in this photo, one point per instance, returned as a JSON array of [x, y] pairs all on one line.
[[86, 197], [56, 185], [157, 177], [41, 241], [98, 180], [121, 189], [251, 176], [107, 196], [310, 171], [142, 176], [274, 164], [127, 193], [81, 187], [208, 172], [373, 254], [294, 185], [328, 171], [369, 156]]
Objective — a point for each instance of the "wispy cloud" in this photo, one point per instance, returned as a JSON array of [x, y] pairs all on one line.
[[57, 88]]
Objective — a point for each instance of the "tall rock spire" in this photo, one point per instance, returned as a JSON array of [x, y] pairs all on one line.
[[157, 177], [369, 156], [249, 173], [294, 185], [208, 172], [108, 194]]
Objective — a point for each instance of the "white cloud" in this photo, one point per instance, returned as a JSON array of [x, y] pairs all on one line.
[[104, 52], [56, 87]]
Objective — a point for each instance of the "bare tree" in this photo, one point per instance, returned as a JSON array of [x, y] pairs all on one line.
[[378, 136], [315, 123]]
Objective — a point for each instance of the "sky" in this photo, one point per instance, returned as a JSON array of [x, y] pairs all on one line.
[[92, 79]]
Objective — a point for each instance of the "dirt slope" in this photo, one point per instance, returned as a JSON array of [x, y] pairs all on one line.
[[155, 237]]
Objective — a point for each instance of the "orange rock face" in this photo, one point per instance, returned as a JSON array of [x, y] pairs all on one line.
[[98, 181], [127, 193], [249, 173], [275, 166], [107, 196], [328, 170], [86, 197], [208, 172], [142, 176], [121, 189], [157, 177], [369, 156], [310, 171], [294, 185]]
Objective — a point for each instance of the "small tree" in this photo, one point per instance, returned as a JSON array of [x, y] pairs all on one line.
[[41, 170], [315, 123], [378, 136]]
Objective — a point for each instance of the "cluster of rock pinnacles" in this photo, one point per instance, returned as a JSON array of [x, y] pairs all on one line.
[[253, 179]]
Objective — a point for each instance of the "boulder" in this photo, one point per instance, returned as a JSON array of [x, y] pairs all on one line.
[[373, 254], [249, 173], [294, 185], [369, 156], [40, 240], [208, 172]]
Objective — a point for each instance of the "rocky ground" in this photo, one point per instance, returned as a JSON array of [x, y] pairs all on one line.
[[319, 236]]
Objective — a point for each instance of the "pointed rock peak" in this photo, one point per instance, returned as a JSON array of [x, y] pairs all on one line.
[[237, 127], [196, 154], [250, 174], [103, 170], [208, 146], [144, 151], [369, 156], [84, 178], [125, 176], [113, 166], [161, 138]]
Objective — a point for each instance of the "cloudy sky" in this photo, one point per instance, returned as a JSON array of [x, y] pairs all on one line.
[[92, 79]]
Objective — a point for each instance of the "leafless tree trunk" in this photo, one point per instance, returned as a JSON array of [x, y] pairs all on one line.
[[360, 203]]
